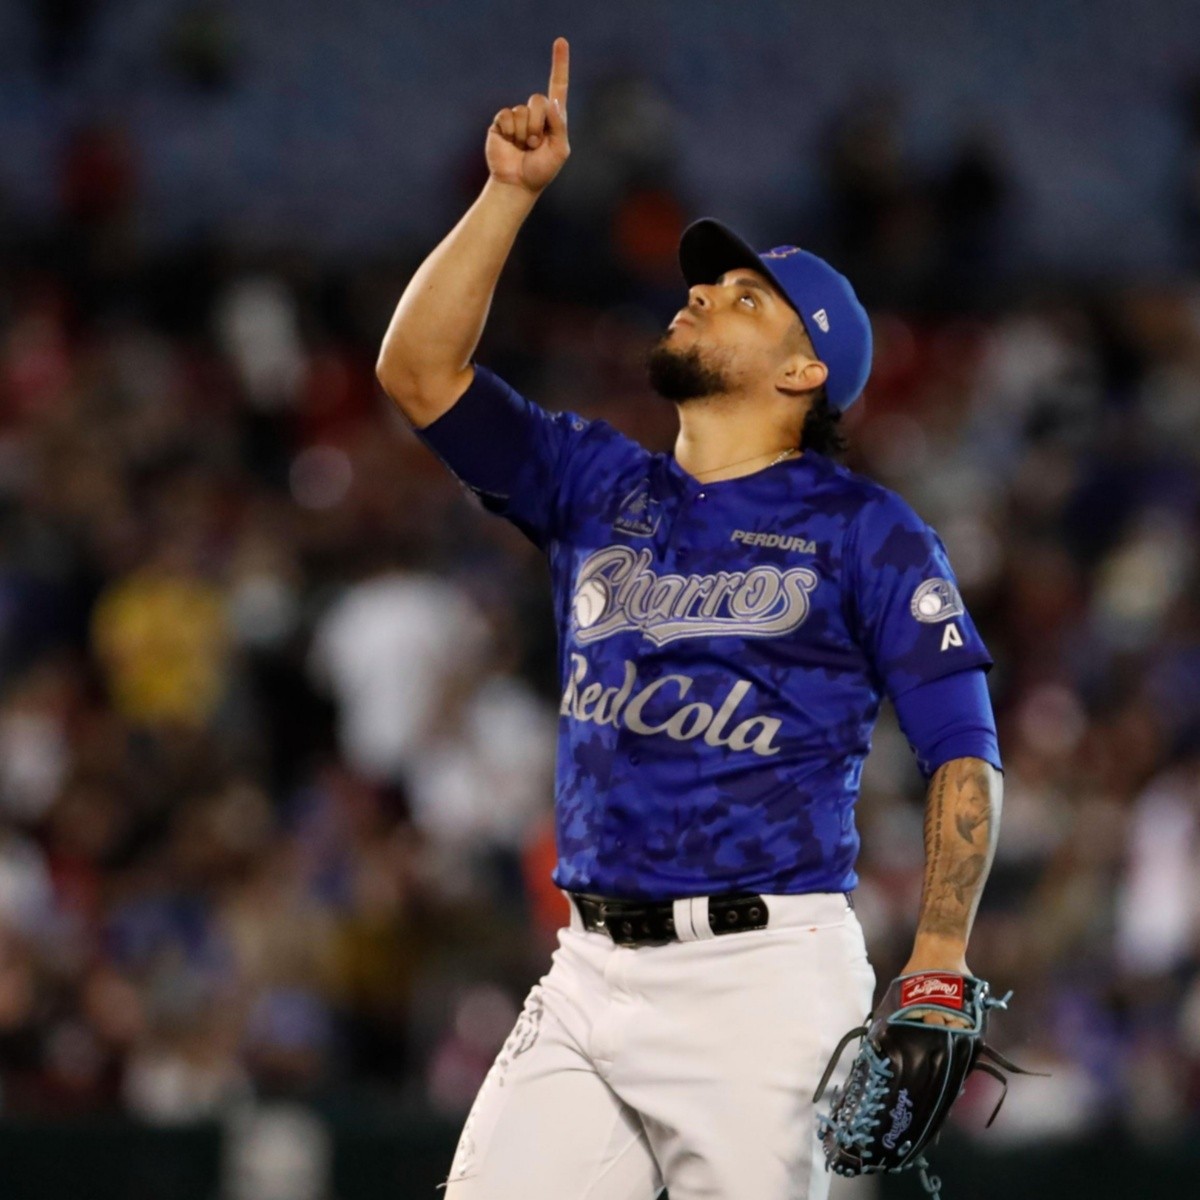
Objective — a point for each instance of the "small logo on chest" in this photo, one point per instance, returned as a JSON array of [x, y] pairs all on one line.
[[773, 541], [639, 514]]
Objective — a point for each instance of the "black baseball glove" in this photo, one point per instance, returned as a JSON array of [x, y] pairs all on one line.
[[907, 1075]]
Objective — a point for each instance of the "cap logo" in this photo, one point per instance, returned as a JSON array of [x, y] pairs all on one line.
[[781, 252], [822, 319]]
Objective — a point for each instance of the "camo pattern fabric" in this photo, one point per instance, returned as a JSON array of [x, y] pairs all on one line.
[[723, 648]]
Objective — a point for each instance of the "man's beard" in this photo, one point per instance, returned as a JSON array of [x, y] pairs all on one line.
[[681, 375]]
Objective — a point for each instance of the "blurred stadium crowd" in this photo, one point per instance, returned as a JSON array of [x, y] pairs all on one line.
[[277, 700]]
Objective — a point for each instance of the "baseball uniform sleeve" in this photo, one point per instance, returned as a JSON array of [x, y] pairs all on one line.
[[948, 718], [906, 610], [522, 462]]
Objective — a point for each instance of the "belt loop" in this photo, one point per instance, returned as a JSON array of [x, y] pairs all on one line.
[[576, 921], [700, 922], [681, 910]]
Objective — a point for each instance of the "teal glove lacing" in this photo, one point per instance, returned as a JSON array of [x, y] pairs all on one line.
[[858, 1106]]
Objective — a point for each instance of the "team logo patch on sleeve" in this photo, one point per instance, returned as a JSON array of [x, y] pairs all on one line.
[[936, 600]]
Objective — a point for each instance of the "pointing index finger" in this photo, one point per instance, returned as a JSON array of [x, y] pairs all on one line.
[[560, 72]]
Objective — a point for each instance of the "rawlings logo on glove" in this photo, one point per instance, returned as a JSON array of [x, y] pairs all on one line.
[[901, 1119], [907, 1075], [932, 987]]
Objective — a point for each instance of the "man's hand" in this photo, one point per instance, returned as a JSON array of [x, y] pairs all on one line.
[[932, 957], [527, 145]]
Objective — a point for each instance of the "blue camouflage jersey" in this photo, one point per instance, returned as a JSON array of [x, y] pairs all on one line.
[[723, 647]]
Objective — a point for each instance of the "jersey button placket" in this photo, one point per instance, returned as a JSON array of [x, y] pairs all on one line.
[[680, 552]]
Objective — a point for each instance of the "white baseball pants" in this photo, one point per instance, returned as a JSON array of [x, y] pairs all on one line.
[[689, 1065]]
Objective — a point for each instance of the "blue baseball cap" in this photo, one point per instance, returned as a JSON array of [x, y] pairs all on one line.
[[836, 323]]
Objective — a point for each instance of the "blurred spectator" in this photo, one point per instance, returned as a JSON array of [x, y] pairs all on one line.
[[393, 649], [488, 770], [1158, 910], [973, 198], [161, 636], [35, 751], [258, 325], [881, 222]]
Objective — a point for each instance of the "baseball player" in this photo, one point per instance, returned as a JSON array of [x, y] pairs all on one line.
[[730, 617]]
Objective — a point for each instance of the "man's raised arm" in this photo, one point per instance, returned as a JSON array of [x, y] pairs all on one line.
[[962, 824], [424, 363]]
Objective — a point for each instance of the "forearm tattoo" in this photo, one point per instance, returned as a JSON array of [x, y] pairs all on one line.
[[962, 814]]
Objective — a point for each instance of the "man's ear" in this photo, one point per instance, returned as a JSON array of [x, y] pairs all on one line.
[[801, 374]]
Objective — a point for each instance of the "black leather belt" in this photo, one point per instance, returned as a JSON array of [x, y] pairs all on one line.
[[652, 922]]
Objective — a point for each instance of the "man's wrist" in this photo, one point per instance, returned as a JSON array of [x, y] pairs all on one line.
[[938, 952], [515, 197]]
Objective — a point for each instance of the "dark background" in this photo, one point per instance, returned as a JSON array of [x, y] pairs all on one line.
[[277, 702]]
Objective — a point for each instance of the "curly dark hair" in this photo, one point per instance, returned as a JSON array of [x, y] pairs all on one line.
[[822, 428]]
